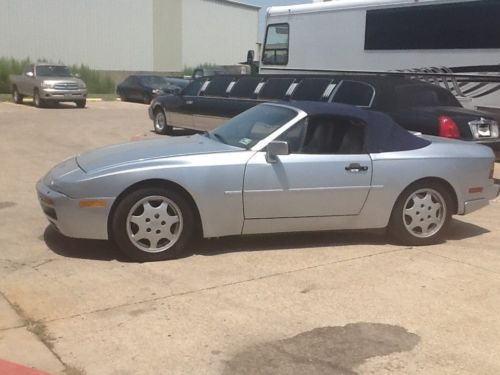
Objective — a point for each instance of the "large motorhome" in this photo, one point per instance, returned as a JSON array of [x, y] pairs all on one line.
[[453, 43]]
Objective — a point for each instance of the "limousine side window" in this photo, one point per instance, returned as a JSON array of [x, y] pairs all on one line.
[[245, 87], [193, 88], [311, 89], [275, 88], [411, 96], [276, 45], [217, 86], [325, 135], [355, 93]]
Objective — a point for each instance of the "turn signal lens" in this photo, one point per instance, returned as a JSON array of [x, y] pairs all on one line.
[[448, 128], [94, 203]]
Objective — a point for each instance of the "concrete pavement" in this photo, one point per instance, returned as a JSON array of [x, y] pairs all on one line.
[[324, 303]]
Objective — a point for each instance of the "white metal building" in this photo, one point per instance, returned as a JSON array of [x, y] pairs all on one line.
[[143, 35]]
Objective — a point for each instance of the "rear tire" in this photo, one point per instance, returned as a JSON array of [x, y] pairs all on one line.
[[160, 123], [421, 214], [37, 101], [152, 224], [81, 103], [16, 97]]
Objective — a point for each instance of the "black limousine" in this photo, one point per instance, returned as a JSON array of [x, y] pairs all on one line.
[[209, 101]]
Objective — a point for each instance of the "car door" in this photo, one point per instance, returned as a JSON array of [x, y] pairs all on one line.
[[309, 182], [26, 82]]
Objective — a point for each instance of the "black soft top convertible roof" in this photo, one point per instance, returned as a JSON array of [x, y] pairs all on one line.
[[382, 133]]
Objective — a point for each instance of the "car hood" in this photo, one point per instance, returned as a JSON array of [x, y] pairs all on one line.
[[60, 79], [140, 151]]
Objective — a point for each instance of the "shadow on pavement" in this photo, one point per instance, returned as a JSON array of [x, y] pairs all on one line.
[[81, 249], [460, 230], [107, 250]]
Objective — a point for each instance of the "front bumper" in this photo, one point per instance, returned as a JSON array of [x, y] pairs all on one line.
[[72, 220], [57, 95]]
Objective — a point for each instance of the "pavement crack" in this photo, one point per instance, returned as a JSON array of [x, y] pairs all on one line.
[[462, 262], [37, 328], [263, 277]]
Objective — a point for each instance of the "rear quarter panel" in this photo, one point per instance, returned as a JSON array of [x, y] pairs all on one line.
[[460, 164]]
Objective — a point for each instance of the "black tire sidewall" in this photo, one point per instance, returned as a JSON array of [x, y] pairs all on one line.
[[167, 129], [37, 100], [396, 226], [119, 224]]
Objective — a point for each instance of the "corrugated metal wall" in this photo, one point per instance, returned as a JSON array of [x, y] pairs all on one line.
[[143, 35], [217, 32], [110, 34]]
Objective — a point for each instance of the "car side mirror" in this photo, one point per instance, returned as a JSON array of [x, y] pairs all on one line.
[[29, 74], [274, 149]]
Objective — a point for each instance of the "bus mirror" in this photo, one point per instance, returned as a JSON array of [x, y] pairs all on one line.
[[250, 56]]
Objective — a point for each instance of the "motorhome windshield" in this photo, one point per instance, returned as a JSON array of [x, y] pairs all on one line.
[[276, 45]]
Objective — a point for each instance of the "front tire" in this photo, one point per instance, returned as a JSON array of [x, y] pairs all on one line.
[[81, 103], [160, 122], [152, 224], [421, 214], [16, 97], [37, 100]]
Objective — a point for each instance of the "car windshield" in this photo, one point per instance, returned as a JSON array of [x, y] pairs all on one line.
[[154, 81], [52, 71], [253, 125]]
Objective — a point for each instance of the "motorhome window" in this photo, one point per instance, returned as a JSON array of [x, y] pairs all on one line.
[[311, 89], [245, 87], [465, 25], [218, 86], [354, 93], [411, 96], [276, 45], [275, 88]]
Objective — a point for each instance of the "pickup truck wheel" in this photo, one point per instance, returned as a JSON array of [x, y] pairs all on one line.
[[16, 97], [160, 123], [81, 103], [37, 101]]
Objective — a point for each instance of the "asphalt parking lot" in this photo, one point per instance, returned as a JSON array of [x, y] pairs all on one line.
[[324, 303]]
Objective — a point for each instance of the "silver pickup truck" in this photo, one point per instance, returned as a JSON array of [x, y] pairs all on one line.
[[48, 83]]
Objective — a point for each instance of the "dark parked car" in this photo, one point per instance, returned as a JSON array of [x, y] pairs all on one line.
[[207, 102], [144, 88]]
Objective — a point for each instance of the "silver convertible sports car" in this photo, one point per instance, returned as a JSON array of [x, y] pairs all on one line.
[[274, 168]]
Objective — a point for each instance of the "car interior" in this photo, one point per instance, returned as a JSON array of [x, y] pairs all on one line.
[[326, 135]]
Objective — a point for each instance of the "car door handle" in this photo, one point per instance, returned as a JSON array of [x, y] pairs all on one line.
[[189, 102], [356, 167]]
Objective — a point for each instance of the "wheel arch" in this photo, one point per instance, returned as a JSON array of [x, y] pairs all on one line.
[[436, 180], [154, 183]]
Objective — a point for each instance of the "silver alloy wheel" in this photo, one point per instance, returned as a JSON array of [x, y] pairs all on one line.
[[160, 121], [154, 224], [424, 213]]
